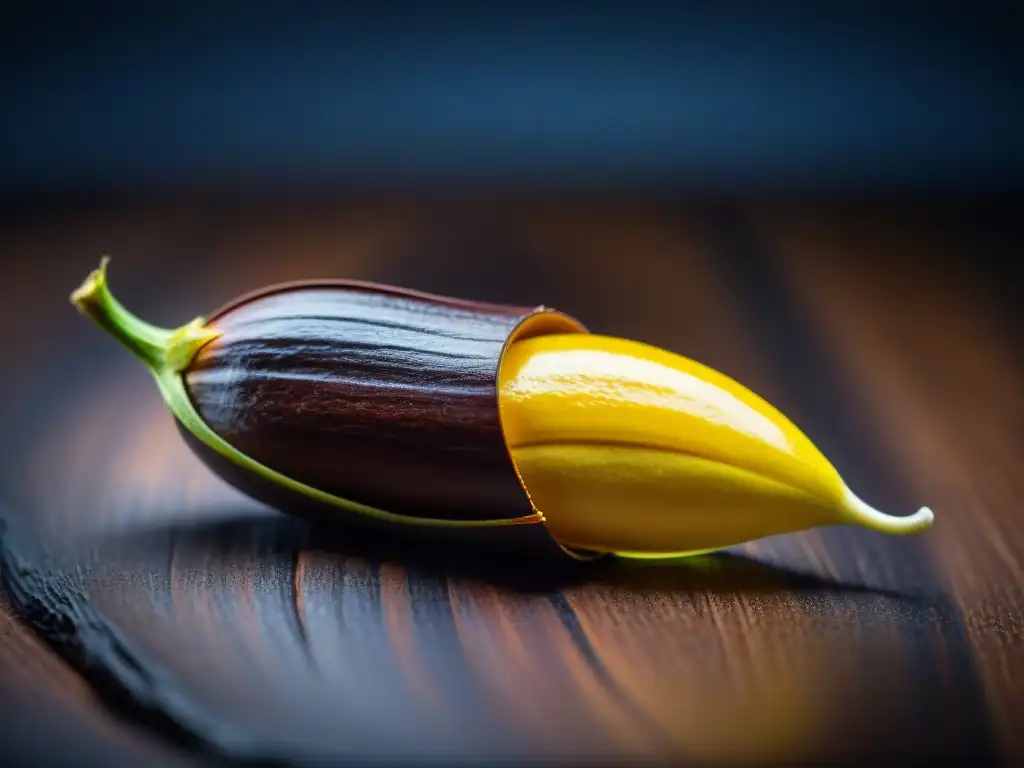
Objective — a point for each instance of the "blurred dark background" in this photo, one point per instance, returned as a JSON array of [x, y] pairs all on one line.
[[821, 199], [473, 119], [901, 104], [677, 96]]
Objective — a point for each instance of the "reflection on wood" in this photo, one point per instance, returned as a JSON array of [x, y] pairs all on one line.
[[939, 379], [250, 635], [42, 699]]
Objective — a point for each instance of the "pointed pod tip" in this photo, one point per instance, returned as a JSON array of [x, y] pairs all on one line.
[[862, 513]]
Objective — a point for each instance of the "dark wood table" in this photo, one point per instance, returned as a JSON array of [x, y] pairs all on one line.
[[155, 616]]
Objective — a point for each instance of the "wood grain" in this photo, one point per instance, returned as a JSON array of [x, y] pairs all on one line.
[[212, 625], [43, 699], [936, 370]]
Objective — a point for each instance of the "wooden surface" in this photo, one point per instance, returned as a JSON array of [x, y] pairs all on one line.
[[185, 622]]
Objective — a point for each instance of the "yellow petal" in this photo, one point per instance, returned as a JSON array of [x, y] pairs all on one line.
[[626, 447]]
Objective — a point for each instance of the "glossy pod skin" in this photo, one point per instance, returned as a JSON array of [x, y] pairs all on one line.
[[344, 400], [369, 392]]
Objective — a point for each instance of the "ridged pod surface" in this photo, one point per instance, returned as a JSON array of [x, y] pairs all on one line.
[[371, 393], [343, 399]]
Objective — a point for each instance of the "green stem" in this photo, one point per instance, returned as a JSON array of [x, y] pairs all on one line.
[[167, 353], [160, 349]]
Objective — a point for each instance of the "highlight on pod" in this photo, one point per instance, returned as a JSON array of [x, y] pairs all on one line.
[[342, 397]]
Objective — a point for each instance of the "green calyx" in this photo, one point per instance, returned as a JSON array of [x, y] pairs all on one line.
[[160, 349], [167, 353]]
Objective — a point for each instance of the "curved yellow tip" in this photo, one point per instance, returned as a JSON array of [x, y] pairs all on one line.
[[866, 515]]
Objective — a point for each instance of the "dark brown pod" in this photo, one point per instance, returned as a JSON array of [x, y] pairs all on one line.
[[334, 396], [368, 392]]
